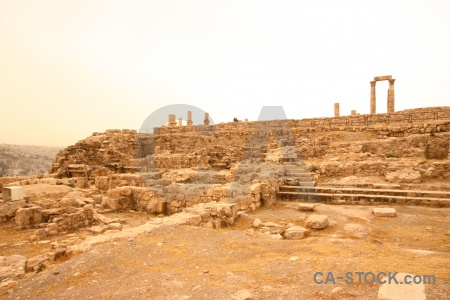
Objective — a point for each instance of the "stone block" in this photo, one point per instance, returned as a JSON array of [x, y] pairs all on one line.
[[115, 226], [12, 193], [384, 212], [295, 233], [316, 222], [305, 207], [28, 216]]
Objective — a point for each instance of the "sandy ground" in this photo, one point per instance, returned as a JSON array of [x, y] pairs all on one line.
[[238, 263]]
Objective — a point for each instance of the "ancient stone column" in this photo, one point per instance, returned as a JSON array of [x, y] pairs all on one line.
[[189, 118], [172, 121], [336, 110], [373, 100], [391, 97], [180, 122], [206, 120], [353, 112]]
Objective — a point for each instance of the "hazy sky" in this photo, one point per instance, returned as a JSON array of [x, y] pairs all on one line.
[[72, 67]]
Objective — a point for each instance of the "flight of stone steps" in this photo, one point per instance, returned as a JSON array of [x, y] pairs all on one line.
[[364, 196]]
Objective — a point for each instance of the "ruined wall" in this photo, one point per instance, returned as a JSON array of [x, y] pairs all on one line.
[[223, 145], [114, 149]]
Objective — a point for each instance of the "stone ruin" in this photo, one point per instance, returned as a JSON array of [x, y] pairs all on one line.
[[209, 175], [373, 101], [248, 164]]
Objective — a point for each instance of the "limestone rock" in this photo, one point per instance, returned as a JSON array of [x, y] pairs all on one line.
[[8, 209], [384, 212], [115, 226], [305, 207], [28, 216], [404, 176], [295, 233], [316, 222], [257, 223]]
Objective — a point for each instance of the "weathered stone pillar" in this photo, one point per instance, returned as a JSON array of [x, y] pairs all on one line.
[[336, 110], [391, 97], [353, 112], [373, 98], [172, 121], [206, 120], [189, 118], [180, 122]]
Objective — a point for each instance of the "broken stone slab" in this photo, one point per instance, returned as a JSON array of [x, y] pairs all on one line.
[[295, 233], [402, 291], [316, 222], [384, 212], [305, 207]]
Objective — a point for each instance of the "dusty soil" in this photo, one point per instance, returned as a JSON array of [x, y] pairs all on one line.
[[198, 263]]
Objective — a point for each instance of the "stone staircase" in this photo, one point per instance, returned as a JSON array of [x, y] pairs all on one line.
[[364, 196], [297, 175]]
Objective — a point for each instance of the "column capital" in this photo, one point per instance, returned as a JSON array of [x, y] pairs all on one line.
[[373, 82], [391, 81]]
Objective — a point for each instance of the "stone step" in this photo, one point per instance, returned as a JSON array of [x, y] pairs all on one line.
[[363, 199], [386, 186], [305, 184], [337, 191], [300, 165], [299, 175]]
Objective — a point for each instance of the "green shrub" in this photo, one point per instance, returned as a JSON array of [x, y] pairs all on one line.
[[390, 155], [40, 268]]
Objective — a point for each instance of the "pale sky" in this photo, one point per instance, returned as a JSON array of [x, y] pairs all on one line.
[[71, 67]]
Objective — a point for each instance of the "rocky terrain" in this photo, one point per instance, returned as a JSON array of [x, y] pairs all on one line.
[[242, 210]]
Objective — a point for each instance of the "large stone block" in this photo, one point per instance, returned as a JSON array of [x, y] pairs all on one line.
[[12, 193], [29, 216], [316, 222]]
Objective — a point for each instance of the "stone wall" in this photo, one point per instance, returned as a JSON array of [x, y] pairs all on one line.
[[411, 116]]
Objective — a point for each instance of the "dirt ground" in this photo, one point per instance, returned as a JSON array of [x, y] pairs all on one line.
[[238, 263]]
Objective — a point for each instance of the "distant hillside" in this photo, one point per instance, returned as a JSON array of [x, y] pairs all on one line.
[[26, 159]]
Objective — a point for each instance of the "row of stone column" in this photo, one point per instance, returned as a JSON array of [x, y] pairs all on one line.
[[337, 112], [173, 122], [390, 95], [373, 100]]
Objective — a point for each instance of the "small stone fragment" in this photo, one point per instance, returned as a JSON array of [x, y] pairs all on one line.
[[384, 212]]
